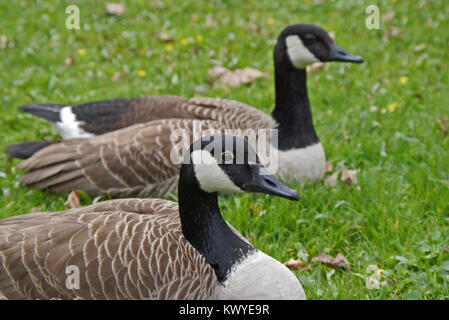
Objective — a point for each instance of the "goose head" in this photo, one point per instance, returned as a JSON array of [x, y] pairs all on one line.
[[304, 44], [225, 163]]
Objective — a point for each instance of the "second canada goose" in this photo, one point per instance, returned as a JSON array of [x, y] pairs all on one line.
[[118, 161], [151, 248]]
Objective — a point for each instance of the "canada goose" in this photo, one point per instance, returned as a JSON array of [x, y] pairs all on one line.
[[151, 248], [133, 160]]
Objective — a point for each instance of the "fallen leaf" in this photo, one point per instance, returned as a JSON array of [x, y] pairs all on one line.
[[3, 42], [294, 264], [339, 261], [332, 179], [446, 248], [115, 9], [392, 32], [165, 37], [118, 75], [388, 16], [70, 60], [210, 21], [348, 177], [395, 31], [315, 67], [329, 167], [73, 200], [235, 78]]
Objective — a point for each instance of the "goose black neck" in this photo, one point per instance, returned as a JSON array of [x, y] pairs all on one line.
[[204, 227], [292, 111]]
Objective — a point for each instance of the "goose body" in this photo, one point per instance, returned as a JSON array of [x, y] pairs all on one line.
[[135, 131], [148, 248]]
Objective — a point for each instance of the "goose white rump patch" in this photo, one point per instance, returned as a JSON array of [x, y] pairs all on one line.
[[299, 55], [259, 276], [69, 126], [304, 164]]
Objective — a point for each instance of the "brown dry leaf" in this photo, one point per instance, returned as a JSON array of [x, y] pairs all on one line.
[[395, 31], [235, 78], [329, 167], [388, 16], [315, 67], [118, 75], [348, 177], [3, 42], [70, 60], [339, 261], [210, 21], [73, 200], [165, 37], [443, 125], [446, 248], [332, 179], [294, 264], [115, 9], [392, 32]]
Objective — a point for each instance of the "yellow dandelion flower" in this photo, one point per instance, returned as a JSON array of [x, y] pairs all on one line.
[[199, 38], [82, 52], [403, 79], [169, 47], [392, 106], [184, 42], [271, 21], [141, 73]]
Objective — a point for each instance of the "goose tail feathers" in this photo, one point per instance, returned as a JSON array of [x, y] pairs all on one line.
[[50, 112], [26, 149]]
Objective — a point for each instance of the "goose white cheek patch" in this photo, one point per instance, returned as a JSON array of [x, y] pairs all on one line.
[[299, 55], [210, 176]]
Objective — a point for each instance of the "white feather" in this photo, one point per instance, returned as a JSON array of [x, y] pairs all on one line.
[[299, 55], [259, 276], [304, 164], [209, 175], [69, 126]]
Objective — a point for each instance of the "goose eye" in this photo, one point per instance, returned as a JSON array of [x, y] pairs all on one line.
[[310, 37], [227, 157]]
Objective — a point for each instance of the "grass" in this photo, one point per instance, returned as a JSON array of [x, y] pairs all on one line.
[[397, 221]]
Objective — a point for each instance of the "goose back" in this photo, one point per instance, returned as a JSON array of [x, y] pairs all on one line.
[[123, 249], [136, 159]]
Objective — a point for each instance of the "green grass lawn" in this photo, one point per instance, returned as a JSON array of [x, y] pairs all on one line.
[[397, 221]]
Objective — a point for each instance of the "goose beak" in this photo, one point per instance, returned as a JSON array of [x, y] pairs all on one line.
[[337, 53], [265, 182]]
